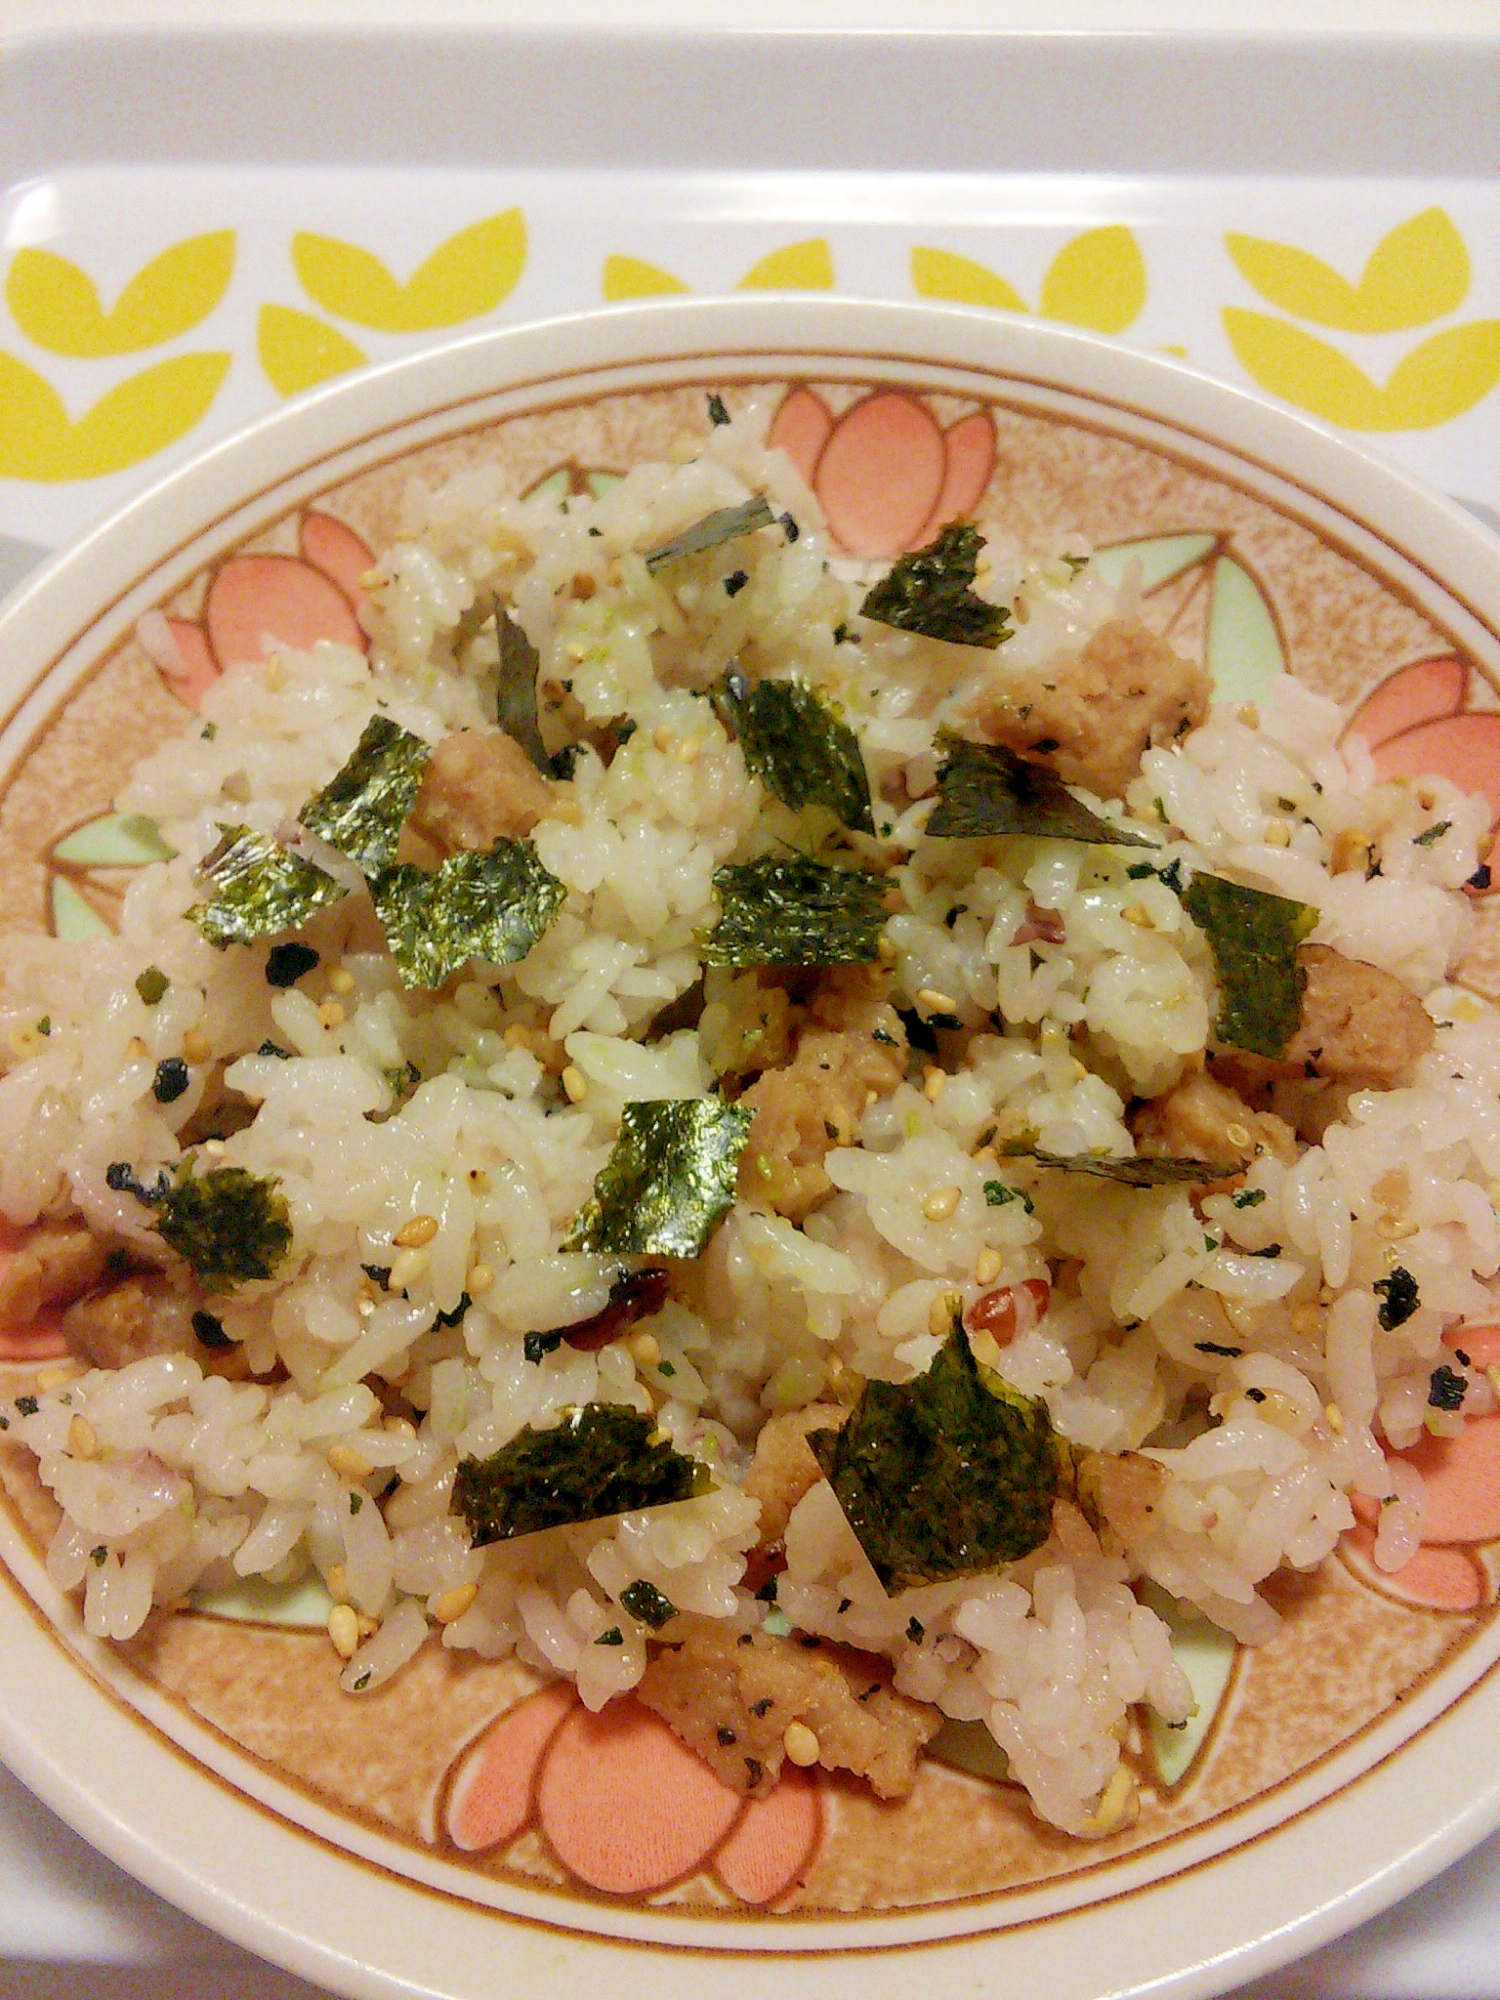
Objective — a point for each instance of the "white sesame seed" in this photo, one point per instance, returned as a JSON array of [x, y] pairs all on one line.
[[1278, 833], [1237, 1135], [988, 1266], [348, 1463], [801, 1746], [453, 1603], [83, 1439], [196, 1046], [53, 1378], [338, 1583], [646, 1348], [575, 1083], [934, 1083], [408, 1267], [480, 1278], [412, 1235], [341, 979], [941, 1203], [936, 1002], [331, 1014], [343, 1630], [1335, 1418]]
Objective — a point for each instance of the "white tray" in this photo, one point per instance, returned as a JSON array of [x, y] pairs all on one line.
[[833, 153]]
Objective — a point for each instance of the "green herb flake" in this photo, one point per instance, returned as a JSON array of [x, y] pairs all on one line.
[[151, 985], [1446, 1389], [362, 810], [984, 788], [1249, 1198], [230, 1225], [646, 1604], [602, 1459], [726, 524], [798, 748], [260, 888], [99, 1555], [796, 912], [667, 1184], [1254, 938], [1399, 1298], [1145, 1171], [1433, 834], [997, 1194], [613, 1637], [491, 906], [950, 1475], [931, 592], [515, 690]]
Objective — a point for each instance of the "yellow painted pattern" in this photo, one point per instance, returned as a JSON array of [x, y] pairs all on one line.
[[56, 304], [796, 267], [1438, 380], [298, 350], [1097, 280], [469, 274], [634, 278], [138, 417], [1416, 273]]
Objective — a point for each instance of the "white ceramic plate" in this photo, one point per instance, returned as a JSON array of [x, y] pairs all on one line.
[[1326, 1775]]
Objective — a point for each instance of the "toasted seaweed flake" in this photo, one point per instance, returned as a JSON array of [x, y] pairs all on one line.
[[950, 1475], [232, 1226], [796, 912], [515, 690], [646, 1604], [726, 524], [668, 1183], [1254, 938], [717, 414], [1446, 1389], [492, 906], [260, 888], [151, 984], [1146, 1171], [931, 592], [984, 788], [799, 749], [361, 810], [1399, 1296], [601, 1460]]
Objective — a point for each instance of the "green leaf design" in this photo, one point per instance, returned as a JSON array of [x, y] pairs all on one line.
[[668, 1183], [969, 1746], [601, 1460], [1244, 646], [118, 840], [1161, 558], [74, 919], [1207, 1655], [302, 1606]]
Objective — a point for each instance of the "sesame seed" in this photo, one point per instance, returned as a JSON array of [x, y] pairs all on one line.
[[646, 1348], [453, 1603], [936, 1002], [1396, 1228], [1139, 915], [934, 1083], [1118, 1805], [940, 1204], [663, 737], [1237, 1135], [1248, 714], [412, 1235], [366, 1626], [687, 750], [343, 1630], [215, 1148], [348, 1463], [401, 1427], [886, 949], [53, 1378], [480, 1278], [940, 1312], [833, 1367], [331, 1014], [83, 1439], [275, 675], [1467, 1008], [1278, 833], [364, 1306], [575, 1083], [801, 1746], [1335, 1418], [341, 980], [987, 1266], [408, 1267], [196, 1046], [338, 1582]]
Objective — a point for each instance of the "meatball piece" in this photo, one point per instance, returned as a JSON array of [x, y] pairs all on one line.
[[784, 1469], [1093, 717], [478, 788], [56, 1264], [1202, 1119], [1359, 1024]]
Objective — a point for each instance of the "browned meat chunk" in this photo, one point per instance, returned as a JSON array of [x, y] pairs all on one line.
[[732, 1699], [476, 790], [1359, 1024], [1122, 1488], [56, 1264], [851, 1044], [1202, 1119], [1097, 714], [784, 1469], [142, 1315]]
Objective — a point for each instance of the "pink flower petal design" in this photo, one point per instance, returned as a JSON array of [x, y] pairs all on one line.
[[1426, 691], [801, 427], [1438, 1579], [338, 552], [1463, 748], [772, 1847], [493, 1787], [198, 670], [625, 1805], [971, 459], [881, 473], [255, 602]]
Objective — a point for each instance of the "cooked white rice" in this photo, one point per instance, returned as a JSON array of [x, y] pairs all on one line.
[[188, 1481]]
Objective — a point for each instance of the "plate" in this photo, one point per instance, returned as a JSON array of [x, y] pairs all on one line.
[[467, 1824]]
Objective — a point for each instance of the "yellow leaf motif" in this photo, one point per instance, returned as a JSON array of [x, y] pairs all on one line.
[[797, 267], [1098, 281], [140, 416], [942, 274], [298, 351], [56, 305], [467, 275], [634, 278], [1415, 274], [1440, 379]]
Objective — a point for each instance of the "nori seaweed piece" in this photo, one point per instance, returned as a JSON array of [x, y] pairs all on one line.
[[1147, 1170], [668, 1183], [725, 524], [798, 748], [289, 962], [1446, 1389], [796, 912], [229, 1224], [1254, 938], [950, 1475], [646, 1604], [515, 690], [1400, 1298], [492, 906], [984, 788], [362, 809], [930, 591], [599, 1461], [260, 887]]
